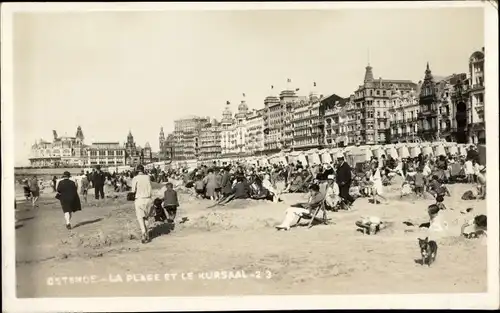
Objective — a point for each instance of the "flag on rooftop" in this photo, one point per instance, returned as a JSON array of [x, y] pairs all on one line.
[[314, 84], [227, 102], [289, 80], [297, 89], [243, 94]]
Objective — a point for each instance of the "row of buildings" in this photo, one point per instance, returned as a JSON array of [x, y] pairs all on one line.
[[379, 111], [67, 151]]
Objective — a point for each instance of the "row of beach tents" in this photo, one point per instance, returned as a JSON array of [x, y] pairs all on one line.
[[354, 154]]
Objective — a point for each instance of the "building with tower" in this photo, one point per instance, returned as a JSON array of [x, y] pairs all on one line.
[[474, 95], [62, 151], [186, 137], [334, 110], [210, 141], [255, 132], [166, 146], [278, 116], [442, 114], [226, 130], [370, 124], [307, 122]]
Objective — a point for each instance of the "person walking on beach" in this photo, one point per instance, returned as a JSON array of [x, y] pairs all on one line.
[[98, 180], [35, 190], [67, 193], [141, 186], [53, 183]]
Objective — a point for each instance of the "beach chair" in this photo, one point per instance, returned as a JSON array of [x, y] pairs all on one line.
[[323, 219]]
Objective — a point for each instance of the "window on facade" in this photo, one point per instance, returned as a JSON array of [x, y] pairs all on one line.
[[383, 93], [378, 92]]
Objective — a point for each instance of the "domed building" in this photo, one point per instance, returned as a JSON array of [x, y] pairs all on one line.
[[62, 151], [227, 129]]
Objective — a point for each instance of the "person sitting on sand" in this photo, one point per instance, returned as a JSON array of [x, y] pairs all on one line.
[[297, 182], [240, 189], [436, 188], [170, 202], [436, 223], [266, 183], [199, 187], [302, 210], [475, 227], [332, 194]]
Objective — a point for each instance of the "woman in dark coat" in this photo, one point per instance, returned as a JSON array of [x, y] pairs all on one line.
[[67, 193]]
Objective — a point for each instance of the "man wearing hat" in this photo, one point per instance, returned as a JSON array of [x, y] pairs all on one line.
[[141, 187], [344, 178], [98, 180]]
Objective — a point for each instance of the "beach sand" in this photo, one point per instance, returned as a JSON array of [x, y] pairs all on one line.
[[240, 238]]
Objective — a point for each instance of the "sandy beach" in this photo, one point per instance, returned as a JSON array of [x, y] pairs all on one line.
[[235, 250]]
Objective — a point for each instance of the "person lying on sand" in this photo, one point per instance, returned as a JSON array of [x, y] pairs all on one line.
[[371, 225], [302, 209]]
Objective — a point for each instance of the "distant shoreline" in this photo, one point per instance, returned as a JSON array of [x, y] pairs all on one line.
[[57, 171]]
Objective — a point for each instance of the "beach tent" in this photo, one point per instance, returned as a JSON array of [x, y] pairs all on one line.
[[391, 151], [293, 157], [452, 149], [403, 152], [313, 157], [358, 155], [427, 150], [415, 151], [439, 149], [302, 158], [462, 149], [378, 151], [326, 157]]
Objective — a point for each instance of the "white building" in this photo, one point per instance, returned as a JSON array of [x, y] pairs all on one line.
[[475, 108], [255, 132], [63, 151], [403, 116]]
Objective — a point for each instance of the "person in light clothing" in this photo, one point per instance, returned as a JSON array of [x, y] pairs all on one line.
[[332, 195], [377, 185], [141, 186], [301, 209]]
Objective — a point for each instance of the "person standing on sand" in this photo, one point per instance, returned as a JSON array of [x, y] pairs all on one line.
[[67, 193], [35, 190], [141, 186], [98, 180], [344, 179], [54, 182]]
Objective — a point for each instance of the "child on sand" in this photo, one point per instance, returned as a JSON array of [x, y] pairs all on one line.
[[436, 188], [419, 181], [199, 187], [170, 202], [436, 223]]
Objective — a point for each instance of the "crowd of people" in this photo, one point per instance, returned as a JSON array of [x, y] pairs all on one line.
[[334, 185]]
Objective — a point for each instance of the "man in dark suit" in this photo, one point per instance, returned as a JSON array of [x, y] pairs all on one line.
[[98, 180], [344, 178]]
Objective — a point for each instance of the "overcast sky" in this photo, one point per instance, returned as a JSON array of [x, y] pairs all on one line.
[[118, 71]]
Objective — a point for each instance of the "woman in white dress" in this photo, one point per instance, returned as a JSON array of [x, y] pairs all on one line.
[[377, 185]]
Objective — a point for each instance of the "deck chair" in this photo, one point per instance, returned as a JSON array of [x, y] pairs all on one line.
[[324, 219]]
